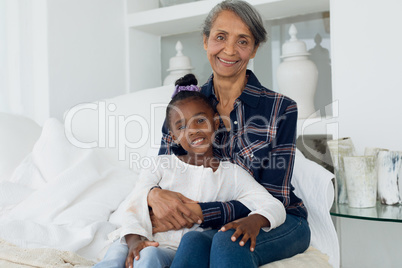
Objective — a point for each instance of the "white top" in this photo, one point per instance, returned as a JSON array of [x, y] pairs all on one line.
[[228, 182]]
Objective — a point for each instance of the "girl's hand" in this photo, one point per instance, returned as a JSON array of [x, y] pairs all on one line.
[[169, 210], [135, 245], [249, 227]]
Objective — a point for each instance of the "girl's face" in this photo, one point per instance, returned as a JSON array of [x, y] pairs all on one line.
[[230, 45], [193, 126]]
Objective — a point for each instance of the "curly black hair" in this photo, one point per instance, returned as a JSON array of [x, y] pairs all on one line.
[[187, 80]]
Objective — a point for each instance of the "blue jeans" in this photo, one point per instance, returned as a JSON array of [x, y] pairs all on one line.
[[157, 257], [216, 250]]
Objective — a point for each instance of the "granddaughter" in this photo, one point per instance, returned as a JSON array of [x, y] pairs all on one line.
[[192, 122]]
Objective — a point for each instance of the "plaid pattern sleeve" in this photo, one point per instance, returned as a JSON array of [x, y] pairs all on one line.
[[217, 214]]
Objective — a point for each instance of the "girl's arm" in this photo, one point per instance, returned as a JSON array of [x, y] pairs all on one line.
[[136, 218], [170, 208]]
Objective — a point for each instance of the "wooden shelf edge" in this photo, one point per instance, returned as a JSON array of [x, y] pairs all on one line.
[[189, 17]]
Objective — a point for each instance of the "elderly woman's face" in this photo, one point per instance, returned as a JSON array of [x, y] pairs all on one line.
[[230, 45]]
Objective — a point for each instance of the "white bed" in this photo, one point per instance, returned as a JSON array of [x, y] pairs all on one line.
[[59, 200]]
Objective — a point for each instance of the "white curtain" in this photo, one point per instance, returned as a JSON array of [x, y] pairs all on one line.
[[23, 58]]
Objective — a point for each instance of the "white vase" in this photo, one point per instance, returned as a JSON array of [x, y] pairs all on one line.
[[179, 66], [373, 151], [339, 149], [297, 75], [388, 167], [361, 181], [400, 178]]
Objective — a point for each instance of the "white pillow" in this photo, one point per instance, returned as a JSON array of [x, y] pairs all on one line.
[[17, 137], [124, 129]]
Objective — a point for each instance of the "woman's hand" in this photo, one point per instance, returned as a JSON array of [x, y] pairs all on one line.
[[170, 211], [135, 245], [163, 226], [249, 227]]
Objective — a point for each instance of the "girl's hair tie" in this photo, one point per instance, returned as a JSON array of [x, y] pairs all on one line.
[[185, 88]]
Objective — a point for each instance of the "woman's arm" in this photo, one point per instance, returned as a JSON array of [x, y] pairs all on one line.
[[277, 178]]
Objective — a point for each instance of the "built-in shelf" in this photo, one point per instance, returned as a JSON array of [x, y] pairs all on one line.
[[147, 24], [189, 17]]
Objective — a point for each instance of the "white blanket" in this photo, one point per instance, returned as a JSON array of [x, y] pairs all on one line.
[[62, 197], [12, 256]]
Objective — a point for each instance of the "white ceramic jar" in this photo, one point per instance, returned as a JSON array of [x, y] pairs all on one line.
[[179, 66], [297, 75]]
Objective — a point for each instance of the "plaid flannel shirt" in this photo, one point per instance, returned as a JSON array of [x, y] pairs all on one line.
[[261, 140]]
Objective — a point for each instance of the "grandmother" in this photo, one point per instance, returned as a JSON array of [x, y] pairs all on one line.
[[257, 131]]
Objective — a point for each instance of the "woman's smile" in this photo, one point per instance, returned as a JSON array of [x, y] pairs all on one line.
[[230, 45], [227, 61]]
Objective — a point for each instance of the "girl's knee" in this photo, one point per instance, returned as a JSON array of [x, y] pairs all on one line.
[[228, 253], [154, 257], [115, 256], [223, 237], [192, 235], [149, 252], [222, 242]]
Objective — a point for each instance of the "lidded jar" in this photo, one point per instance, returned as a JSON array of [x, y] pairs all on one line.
[[297, 75], [179, 66]]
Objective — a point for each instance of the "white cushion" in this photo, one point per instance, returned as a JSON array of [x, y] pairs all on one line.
[[17, 137], [311, 258]]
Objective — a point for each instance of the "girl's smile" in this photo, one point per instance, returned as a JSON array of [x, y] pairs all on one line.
[[193, 127]]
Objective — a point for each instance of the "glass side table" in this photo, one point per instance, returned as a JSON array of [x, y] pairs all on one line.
[[378, 213]]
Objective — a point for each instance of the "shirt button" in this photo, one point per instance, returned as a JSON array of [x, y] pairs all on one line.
[[235, 122]]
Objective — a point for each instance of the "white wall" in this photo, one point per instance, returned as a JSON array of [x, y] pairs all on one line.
[[4, 106], [86, 51], [366, 74], [367, 65], [58, 53]]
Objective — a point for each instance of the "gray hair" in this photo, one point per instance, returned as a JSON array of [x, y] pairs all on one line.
[[247, 13]]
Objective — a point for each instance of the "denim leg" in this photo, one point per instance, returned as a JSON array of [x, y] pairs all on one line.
[[115, 256], [194, 250], [289, 239], [155, 257]]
